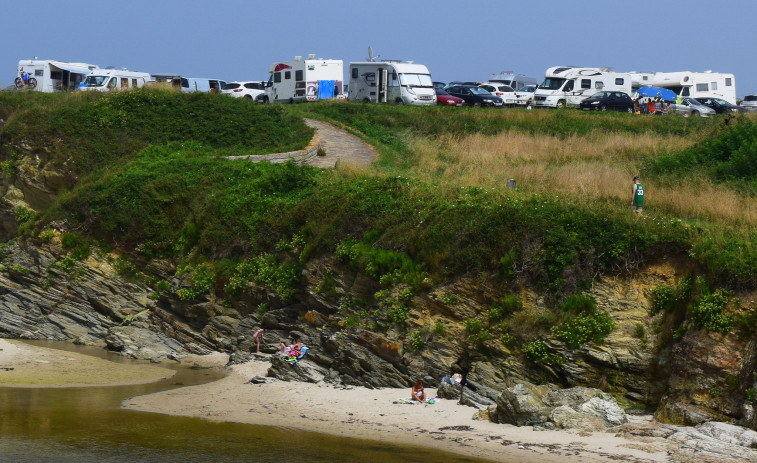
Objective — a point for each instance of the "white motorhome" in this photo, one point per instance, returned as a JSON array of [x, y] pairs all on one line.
[[516, 81], [308, 79], [691, 84], [391, 81], [107, 80], [194, 84], [570, 85], [51, 76]]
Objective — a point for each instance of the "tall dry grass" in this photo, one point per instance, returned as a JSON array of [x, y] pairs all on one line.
[[593, 166]]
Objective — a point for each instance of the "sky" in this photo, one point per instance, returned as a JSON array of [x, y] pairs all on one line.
[[455, 39]]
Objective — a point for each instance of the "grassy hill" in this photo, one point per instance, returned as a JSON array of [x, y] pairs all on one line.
[[152, 181]]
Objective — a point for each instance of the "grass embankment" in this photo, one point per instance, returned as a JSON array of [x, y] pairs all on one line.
[[434, 206]]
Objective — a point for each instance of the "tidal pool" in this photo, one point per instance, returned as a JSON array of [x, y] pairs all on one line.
[[87, 425]]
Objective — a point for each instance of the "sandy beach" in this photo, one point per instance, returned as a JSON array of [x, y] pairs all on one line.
[[346, 411]]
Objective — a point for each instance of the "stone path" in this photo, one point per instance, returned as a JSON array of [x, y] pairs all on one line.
[[340, 146]]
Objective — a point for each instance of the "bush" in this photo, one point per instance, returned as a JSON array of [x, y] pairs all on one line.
[[709, 312], [585, 327], [537, 351], [663, 299]]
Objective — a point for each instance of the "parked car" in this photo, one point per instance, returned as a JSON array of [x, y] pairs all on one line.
[[474, 96], [503, 91], [734, 108], [749, 102], [524, 96], [614, 101], [249, 90], [689, 107], [714, 105], [445, 99]]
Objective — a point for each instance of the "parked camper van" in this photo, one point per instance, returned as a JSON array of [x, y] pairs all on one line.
[[569, 85], [693, 84], [50, 75], [108, 80], [391, 81], [308, 79], [516, 81], [194, 84]]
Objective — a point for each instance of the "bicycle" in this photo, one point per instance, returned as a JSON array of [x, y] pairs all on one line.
[[31, 83]]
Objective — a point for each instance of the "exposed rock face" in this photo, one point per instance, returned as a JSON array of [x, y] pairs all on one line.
[[718, 439], [525, 404]]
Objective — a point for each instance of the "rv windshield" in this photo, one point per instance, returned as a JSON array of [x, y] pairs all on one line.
[[416, 80], [552, 83], [95, 81]]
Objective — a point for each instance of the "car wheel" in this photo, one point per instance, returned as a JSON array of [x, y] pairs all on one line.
[[603, 107], [476, 104], [560, 104], [400, 102], [265, 100], [695, 113], [247, 97], [629, 110], [291, 101]]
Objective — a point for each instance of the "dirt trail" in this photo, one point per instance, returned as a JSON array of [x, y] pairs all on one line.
[[340, 146]]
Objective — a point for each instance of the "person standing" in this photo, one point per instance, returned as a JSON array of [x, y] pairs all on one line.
[[637, 200], [258, 337]]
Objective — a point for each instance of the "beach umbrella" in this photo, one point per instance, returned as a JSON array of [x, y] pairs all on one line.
[[654, 92]]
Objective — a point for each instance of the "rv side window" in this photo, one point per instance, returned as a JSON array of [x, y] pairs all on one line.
[[728, 82], [685, 91], [185, 82], [714, 85], [277, 77], [112, 82], [124, 83], [619, 81], [568, 86], [40, 72], [599, 85], [288, 75], [133, 83], [370, 77], [298, 75], [354, 73], [703, 87], [585, 83]]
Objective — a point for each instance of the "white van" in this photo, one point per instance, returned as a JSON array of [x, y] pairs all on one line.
[[112, 80], [570, 85], [391, 81], [194, 84], [511, 79], [44, 75]]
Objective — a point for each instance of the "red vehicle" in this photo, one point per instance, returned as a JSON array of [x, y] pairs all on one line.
[[445, 99]]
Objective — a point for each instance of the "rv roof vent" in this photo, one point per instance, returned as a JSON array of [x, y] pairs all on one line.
[[311, 56], [298, 58], [110, 67], [409, 62], [709, 71]]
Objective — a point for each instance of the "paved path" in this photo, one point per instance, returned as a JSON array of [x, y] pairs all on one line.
[[339, 145]]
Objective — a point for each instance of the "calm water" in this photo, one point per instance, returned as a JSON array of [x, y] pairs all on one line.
[[87, 425]]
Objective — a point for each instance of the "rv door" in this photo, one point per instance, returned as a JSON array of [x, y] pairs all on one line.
[[382, 84]]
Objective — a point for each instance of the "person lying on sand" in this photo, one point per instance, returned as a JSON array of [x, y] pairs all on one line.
[[417, 393]]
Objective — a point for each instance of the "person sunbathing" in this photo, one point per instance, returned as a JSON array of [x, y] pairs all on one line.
[[417, 393]]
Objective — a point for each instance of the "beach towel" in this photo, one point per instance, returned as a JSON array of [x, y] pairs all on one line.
[[294, 358]]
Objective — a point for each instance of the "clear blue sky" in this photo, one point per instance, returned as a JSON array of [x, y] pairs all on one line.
[[457, 40]]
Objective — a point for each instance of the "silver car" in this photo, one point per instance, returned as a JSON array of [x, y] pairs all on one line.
[[689, 107], [750, 102]]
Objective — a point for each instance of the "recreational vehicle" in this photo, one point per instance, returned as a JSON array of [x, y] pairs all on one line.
[[50, 75], [516, 81], [569, 85], [692, 84], [193, 84], [391, 81], [308, 79], [107, 80]]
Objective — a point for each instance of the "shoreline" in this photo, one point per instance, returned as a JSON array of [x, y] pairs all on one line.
[[373, 414]]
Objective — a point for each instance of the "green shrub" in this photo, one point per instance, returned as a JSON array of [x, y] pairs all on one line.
[[439, 328], [417, 341], [663, 299], [709, 312], [46, 235], [578, 303], [536, 351], [583, 328], [507, 306], [750, 394], [641, 332]]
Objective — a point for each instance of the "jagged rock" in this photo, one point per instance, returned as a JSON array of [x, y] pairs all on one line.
[[471, 397], [718, 439], [686, 414], [301, 371], [525, 404], [143, 344]]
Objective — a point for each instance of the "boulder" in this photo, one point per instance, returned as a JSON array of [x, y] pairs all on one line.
[[526, 404], [303, 370], [718, 439]]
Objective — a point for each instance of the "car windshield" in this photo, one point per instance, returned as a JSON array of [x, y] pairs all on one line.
[[721, 101], [505, 88], [552, 83], [440, 91], [528, 88], [750, 98], [231, 86], [479, 91], [416, 80], [693, 101], [95, 81]]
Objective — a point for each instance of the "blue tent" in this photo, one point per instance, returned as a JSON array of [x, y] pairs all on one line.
[[326, 89], [654, 92]]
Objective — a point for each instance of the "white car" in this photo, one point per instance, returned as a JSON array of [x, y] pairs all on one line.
[[749, 102], [249, 90], [524, 96], [505, 92]]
